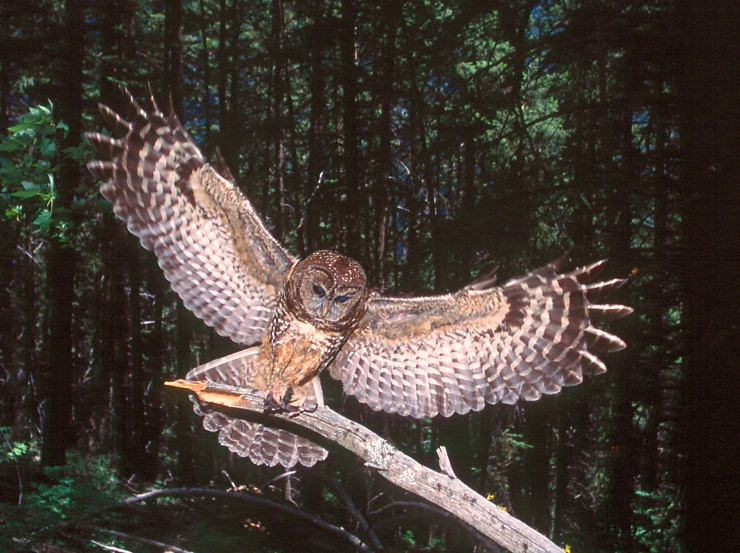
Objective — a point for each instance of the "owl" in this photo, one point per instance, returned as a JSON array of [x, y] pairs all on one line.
[[414, 356]]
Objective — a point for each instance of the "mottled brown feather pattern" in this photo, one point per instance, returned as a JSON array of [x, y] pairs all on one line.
[[211, 245], [456, 352], [419, 357]]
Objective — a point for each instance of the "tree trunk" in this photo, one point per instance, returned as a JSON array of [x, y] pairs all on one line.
[[184, 335], [711, 268], [390, 22], [532, 495], [5, 64], [309, 231], [173, 55], [140, 381], [350, 204], [229, 138], [278, 96], [206, 102], [61, 264]]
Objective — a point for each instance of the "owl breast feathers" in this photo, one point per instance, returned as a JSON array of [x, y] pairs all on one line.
[[418, 357]]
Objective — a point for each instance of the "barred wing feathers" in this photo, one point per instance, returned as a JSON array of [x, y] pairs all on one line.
[[457, 352], [263, 445], [212, 246]]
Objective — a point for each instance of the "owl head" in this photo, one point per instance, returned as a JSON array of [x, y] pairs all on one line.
[[327, 289]]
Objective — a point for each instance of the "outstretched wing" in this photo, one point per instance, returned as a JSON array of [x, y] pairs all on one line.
[[214, 249], [264, 445], [456, 352]]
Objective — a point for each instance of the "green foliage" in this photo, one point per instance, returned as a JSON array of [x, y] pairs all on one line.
[[27, 167], [515, 443], [83, 485], [408, 538], [657, 529], [55, 495]]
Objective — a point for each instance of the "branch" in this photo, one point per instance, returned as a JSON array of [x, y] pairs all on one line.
[[443, 490], [357, 543], [418, 510], [169, 548], [352, 508]]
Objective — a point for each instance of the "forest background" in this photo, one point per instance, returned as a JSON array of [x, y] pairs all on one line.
[[432, 141]]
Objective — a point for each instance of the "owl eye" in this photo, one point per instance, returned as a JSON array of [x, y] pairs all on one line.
[[319, 291], [341, 299]]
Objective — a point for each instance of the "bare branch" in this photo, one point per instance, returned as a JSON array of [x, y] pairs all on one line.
[[352, 508], [110, 547], [146, 541], [442, 490], [248, 498], [444, 462], [242, 497]]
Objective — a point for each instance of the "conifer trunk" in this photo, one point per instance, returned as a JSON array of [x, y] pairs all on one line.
[[711, 268], [61, 262]]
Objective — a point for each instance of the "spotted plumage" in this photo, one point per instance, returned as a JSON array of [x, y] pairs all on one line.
[[418, 357]]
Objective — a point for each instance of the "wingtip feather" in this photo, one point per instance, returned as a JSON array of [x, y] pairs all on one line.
[[602, 341], [115, 122], [604, 312]]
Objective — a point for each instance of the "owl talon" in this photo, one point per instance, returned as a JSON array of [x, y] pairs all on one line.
[[271, 404], [287, 406], [283, 404]]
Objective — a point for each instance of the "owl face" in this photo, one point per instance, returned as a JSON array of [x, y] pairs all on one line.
[[328, 289]]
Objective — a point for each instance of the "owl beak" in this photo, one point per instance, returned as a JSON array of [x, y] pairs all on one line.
[[324, 309]]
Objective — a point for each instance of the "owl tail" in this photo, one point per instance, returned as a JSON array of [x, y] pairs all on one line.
[[264, 445]]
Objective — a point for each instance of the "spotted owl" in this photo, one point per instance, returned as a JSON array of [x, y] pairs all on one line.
[[415, 356]]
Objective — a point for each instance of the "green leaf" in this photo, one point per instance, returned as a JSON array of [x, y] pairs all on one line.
[[24, 194], [48, 147], [20, 127], [43, 220], [8, 145]]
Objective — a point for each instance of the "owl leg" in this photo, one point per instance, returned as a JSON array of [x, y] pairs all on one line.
[[289, 398], [277, 398], [283, 398], [307, 397], [294, 400]]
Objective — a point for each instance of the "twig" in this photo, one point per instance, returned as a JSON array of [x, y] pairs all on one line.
[[445, 491], [357, 543], [242, 497], [310, 199], [414, 505], [444, 462], [29, 255], [146, 541], [228, 477], [352, 508], [286, 474], [110, 547]]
